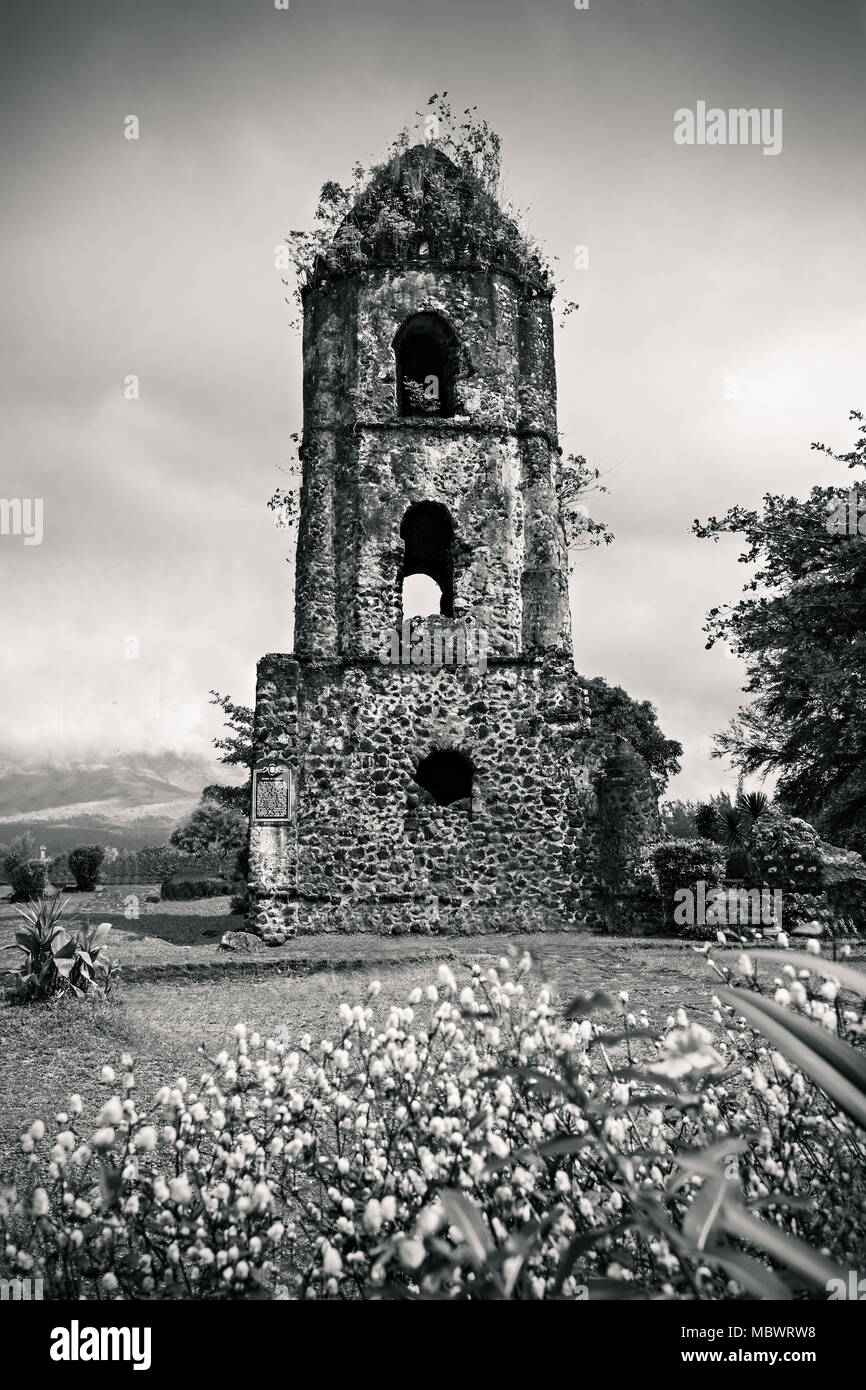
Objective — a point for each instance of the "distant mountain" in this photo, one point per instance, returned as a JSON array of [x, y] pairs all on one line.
[[134, 800]]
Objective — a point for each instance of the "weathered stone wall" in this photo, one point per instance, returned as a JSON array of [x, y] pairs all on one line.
[[490, 465], [370, 850], [554, 835]]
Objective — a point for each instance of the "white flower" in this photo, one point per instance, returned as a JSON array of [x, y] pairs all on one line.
[[37, 1130], [180, 1189], [111, 1112], [446, 977], [373, 1216], [744, 964], [411, 1253], [103, 1138], [107, 1074], [374, 987], [331, 1262], [263, 1197]]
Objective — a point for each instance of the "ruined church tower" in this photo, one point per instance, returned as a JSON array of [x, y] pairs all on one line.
[[446, 772]]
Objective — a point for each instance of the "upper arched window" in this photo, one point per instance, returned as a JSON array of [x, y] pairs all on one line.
[[428, 356]]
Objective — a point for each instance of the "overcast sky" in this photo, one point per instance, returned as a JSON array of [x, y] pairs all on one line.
[[156, 258]]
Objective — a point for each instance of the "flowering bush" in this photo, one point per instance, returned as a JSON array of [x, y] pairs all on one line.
[[819, 881], [475, 1143], [786, 854], [55, 961]]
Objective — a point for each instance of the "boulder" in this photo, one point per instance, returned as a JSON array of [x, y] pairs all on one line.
[[245, 942]]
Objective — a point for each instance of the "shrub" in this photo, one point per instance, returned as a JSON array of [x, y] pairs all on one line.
[[59, 872], [213, 829], [55, 962], [474, 1144], [28, 879], [684, 864], [84, 864], [194, 885]]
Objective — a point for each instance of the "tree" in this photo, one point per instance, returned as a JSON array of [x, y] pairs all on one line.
[[212, 829], [18, 851], [636, 721], [678, 819], [801, 631], [236, 750]]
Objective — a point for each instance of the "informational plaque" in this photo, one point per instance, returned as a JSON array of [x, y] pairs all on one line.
[[273, 792]]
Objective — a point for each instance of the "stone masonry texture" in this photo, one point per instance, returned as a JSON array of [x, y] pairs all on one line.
[[556, 831]]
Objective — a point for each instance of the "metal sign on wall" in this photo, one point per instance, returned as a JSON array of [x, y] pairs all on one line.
[[273, 792]]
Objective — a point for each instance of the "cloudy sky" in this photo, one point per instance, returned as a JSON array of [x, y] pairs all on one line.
[[722, 325]]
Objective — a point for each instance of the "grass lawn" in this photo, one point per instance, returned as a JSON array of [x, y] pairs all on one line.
[[163, 1011]]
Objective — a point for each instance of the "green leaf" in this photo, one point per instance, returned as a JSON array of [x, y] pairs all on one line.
[[585, 1004], [611, 1039], [811, 1059], [577, 1247], [463, 1214], [789, 1251], [566, 1144], [704, 1211], [706, 1161], [750, 1273]]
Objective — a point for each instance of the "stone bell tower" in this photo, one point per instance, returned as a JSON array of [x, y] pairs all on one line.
[[444, 772]]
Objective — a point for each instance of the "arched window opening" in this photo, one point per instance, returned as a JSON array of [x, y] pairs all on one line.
[[421, 597], [428, 537], [446, 774], [428, 355]]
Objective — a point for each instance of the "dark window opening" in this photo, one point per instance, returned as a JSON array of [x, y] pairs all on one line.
[[446, 775], [427, 363], [428, 541]]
